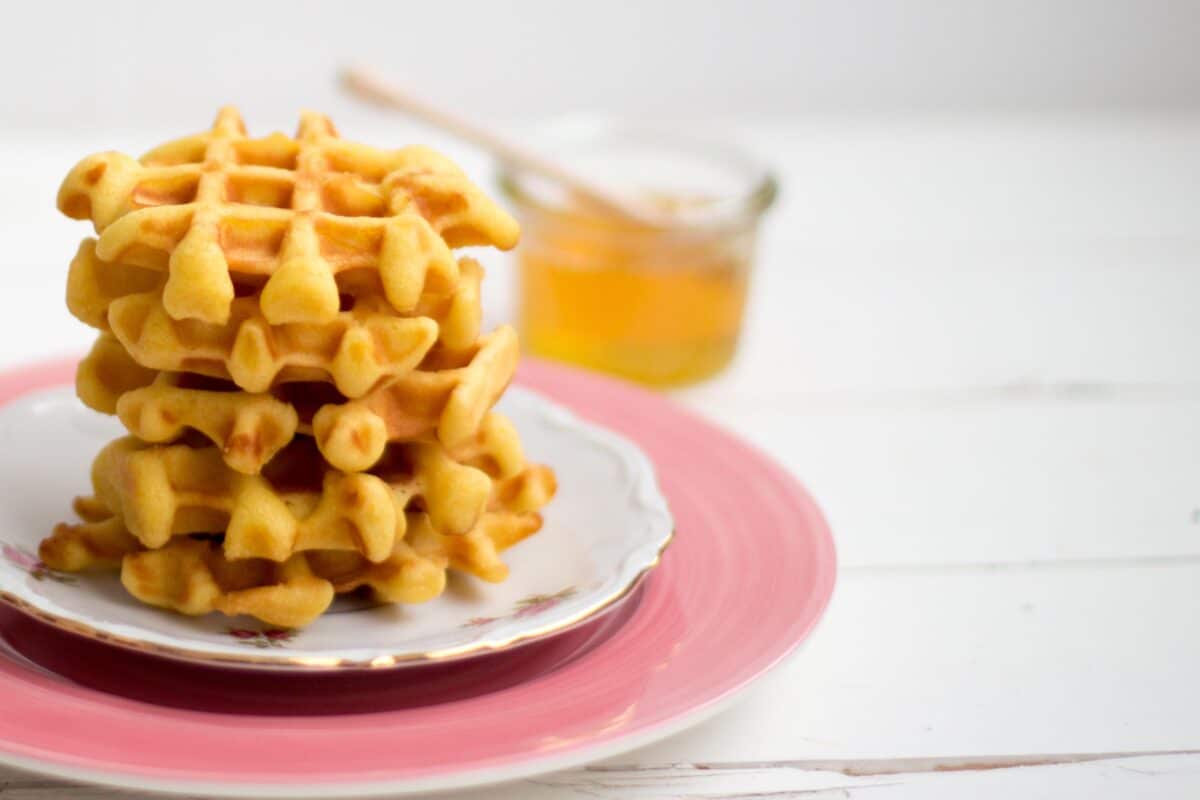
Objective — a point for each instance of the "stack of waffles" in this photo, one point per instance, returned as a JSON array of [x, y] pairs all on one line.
[[295, 352]]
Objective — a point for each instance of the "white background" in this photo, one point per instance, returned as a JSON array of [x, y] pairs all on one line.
[[974, 333], [110, 64]]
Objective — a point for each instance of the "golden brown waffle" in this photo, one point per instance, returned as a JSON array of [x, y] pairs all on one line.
[[248, 429], [99, 542], [449, 402], [355, 351], [448, 397], [299, 503], [107, 373], [287, 334], [218, 210], [196, 577], [126, 471], [94, 285]]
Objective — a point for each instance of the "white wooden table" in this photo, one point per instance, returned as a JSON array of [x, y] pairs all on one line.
[[978, 343]]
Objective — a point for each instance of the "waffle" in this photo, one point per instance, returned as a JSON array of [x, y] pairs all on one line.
[[93, 285], [162, 492], [354, 351], [299, 504], [100, 542], [195, 577], [218, 210], [248, 429], [449, 402], [107, 373], [295, 350], [448, 397]]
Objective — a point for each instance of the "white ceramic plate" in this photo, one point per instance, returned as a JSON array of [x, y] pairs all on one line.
[[605, 529]]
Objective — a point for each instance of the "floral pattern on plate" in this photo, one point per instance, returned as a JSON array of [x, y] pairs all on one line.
[[525, 607], [30, 564], [263, 638]]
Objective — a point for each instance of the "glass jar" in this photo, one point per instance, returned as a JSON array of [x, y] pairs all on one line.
[[659, 303]]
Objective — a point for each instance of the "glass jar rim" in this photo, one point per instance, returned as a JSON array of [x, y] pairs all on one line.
[[757, 189]]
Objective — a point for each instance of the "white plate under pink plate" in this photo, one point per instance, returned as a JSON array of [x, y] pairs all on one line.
[[748, 575]]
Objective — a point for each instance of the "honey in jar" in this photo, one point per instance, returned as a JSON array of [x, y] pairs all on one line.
[[659, 303]]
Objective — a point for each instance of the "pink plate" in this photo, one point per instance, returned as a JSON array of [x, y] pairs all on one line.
[[748, 576]]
